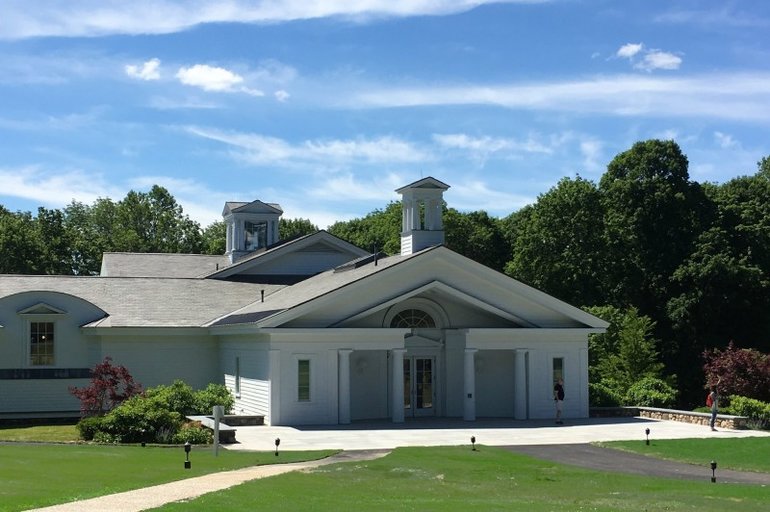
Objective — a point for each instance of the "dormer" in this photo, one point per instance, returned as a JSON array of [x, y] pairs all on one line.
[[250, 227], [422, 206]]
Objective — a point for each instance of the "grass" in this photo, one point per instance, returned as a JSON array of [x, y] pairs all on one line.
[[445, 478], [456, 478], [40, 475], [747, 454], [40, 433]]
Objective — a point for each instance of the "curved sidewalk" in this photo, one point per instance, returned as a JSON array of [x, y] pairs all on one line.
[[191, 488]]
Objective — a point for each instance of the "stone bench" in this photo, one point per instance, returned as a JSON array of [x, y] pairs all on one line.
[[656, 413], [226, 432]]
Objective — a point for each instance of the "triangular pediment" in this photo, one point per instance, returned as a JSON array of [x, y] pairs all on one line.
[[41, 308], [473, 296], [425, 183], [252, 207], [307, 255]]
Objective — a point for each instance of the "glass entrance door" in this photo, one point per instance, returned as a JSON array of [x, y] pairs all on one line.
[[419, 386]]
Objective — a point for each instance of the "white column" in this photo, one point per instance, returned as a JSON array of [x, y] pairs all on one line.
[[520, 386], [469, 388], [343, 390], [397, 399], [274, 407]]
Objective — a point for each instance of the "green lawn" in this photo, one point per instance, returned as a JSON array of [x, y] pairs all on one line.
[[456, 478], [41, 475], [746, 454], [445, 478], [40, 433]]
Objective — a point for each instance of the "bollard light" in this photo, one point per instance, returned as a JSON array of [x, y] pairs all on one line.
[[187, 448], [713, 471], [277, 442], [473, 443], [647, 433]]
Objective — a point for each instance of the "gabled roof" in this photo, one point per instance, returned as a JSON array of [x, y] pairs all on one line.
[[361, 290], [281, 249], [252, 207]]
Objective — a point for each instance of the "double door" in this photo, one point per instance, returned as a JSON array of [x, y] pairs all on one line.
[[419, 386]]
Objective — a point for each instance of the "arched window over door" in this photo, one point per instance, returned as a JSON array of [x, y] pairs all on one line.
[[413, 318]]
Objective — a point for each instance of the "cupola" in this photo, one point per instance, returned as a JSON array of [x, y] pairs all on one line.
[[250, 227], [422, 205]]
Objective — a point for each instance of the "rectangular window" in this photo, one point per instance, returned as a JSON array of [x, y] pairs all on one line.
[[237, 376], [303, 380], [256, 235], [41, 343], [558, 369]]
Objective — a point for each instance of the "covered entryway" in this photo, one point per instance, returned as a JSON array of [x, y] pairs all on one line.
[[419, 386]]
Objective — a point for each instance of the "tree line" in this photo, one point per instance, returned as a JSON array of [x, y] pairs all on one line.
[[678, 266]]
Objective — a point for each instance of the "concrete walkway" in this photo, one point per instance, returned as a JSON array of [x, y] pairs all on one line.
[[366, 441]]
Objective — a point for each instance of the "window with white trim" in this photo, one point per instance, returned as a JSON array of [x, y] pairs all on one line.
[[41, 343], [558, 369], [303, 380], [413, 318]]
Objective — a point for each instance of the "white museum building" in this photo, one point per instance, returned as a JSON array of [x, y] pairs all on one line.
[[312, 330]]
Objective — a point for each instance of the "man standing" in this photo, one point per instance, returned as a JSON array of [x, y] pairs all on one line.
[[558, 398], [714, 399]]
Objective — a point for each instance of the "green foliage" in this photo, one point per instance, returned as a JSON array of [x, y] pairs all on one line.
[[193, 433], [651, 392], [601, 395], [89, 426], [215, 238], [379, 230], [213, 394], [291, 228], [751, 408], [477, 236], [559, 245]]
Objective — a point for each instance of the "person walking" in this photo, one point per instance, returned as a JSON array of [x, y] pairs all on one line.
[[713, 397], [558, 398]]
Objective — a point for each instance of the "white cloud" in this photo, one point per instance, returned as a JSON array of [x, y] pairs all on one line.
[[742, 97], [90, 18], [209, 78], [258, 149], [148, 71], [656, 59], [629, 50], [54, 188], [281, 95], [725, 141]]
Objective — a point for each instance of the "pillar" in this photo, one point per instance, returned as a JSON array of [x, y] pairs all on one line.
[[469, 388], [397, 398], [343, 390], [520, 386]]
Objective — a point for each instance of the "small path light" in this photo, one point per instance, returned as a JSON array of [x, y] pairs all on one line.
[[187, 448], [473, 443], [277, 442], [713, 471], [647, 433]]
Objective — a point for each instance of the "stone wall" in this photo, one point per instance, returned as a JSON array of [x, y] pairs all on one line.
[[698, 418]]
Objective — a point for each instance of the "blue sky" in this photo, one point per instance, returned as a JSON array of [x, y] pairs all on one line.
[[328, 106]]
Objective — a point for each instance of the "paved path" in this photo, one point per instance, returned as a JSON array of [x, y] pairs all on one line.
[[365, 441], [191, 488], [607, 459]]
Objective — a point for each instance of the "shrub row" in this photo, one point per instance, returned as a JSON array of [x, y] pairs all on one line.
[[158, 416]]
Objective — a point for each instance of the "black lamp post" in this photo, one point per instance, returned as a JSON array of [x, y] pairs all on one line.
[[473, 443], [187, 448], [277, 442], [647, 433], [713, 471]]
